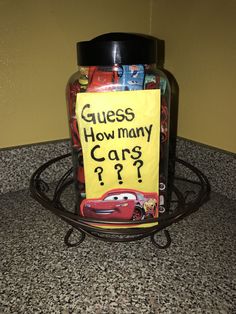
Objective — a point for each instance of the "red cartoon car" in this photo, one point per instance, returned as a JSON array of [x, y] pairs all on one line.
[[121, 204]]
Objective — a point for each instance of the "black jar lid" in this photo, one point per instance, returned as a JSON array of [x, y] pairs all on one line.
[[117, 48]]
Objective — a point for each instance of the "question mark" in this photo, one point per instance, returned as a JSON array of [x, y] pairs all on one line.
[[119, 167], [140, 164], [99, 171]]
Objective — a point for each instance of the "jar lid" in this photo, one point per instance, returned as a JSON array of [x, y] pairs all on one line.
[[117, 48]]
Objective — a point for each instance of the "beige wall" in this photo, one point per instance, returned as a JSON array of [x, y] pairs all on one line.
[[200, 37], [37, 55]]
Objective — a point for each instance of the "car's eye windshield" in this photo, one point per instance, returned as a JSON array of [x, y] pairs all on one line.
[[120, 197], [140, 197]]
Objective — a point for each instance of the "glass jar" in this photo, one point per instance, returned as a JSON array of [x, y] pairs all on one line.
[[118, 62]]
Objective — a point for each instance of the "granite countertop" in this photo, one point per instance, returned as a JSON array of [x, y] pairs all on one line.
[[196, 274]]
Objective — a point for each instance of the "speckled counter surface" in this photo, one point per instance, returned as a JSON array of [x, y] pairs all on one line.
[[41, 275]]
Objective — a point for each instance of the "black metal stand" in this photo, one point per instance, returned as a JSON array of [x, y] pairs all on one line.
[[187, 196]]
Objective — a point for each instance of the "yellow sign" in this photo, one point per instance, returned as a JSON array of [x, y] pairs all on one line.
[[120, 136]]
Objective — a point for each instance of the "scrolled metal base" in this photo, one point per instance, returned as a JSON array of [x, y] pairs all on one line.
[[184, 201]]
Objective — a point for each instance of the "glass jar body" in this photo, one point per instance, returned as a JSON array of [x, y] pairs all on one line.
[[119, 78]]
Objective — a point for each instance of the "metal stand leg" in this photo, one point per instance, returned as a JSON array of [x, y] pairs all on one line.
[[68, 234], [154, 239]]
